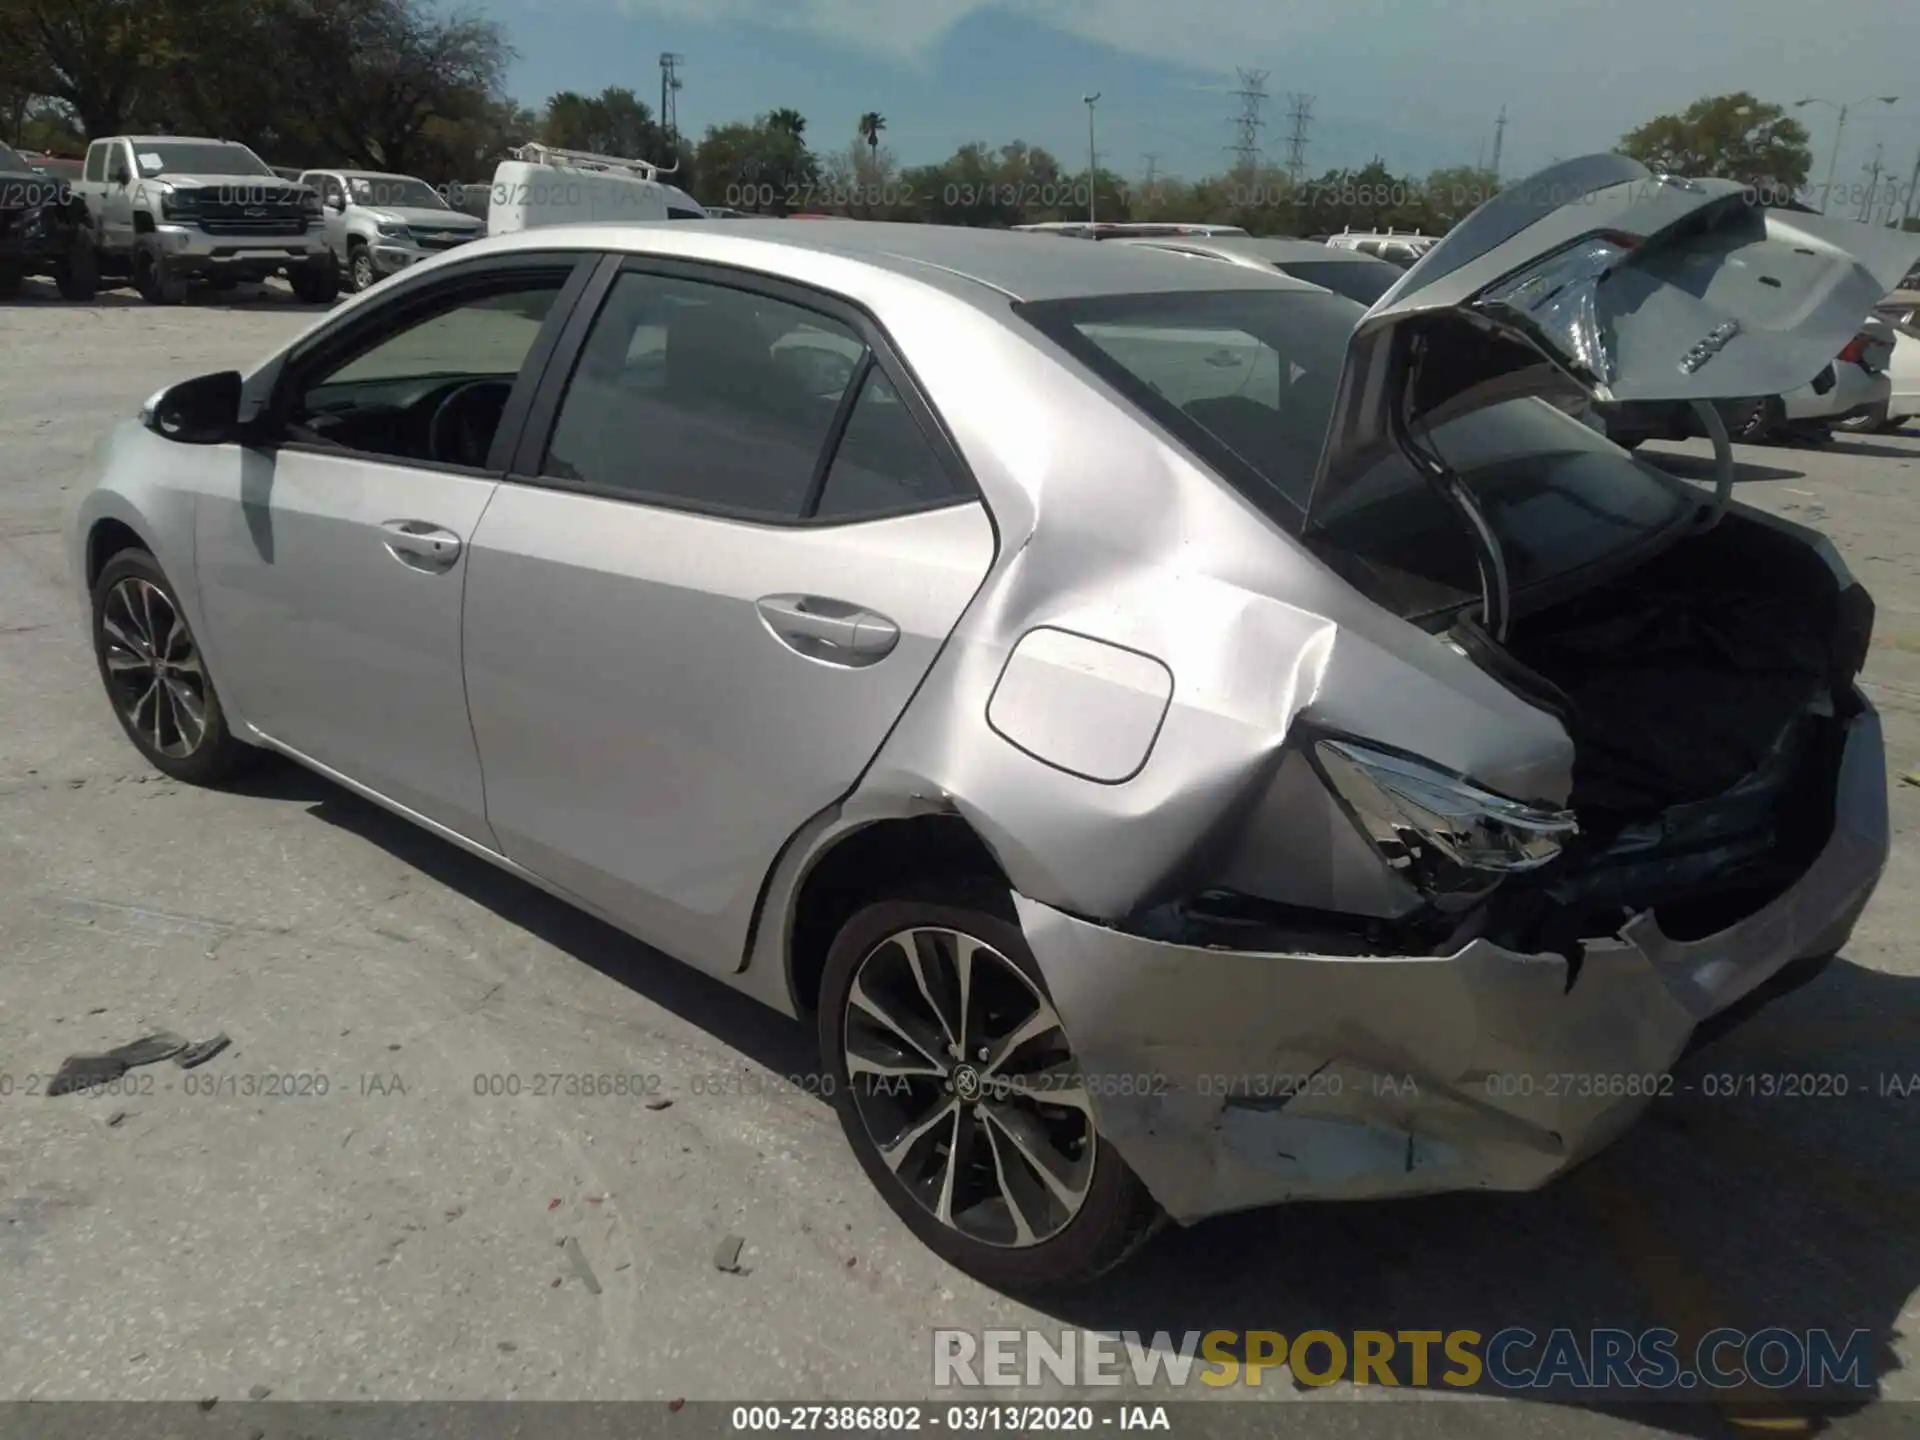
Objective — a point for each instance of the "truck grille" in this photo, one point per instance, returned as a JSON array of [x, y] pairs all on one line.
[[259, 215], [442, 239]]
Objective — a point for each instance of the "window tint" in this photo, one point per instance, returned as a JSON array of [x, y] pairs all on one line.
[[676, 212], [1352, 278], [702, 395], [435, 389], [885, 463]]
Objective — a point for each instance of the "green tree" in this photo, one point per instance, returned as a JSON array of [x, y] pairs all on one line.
[[614, 122], [99, 58], [1732, 137], [871, 124], [763, 166]]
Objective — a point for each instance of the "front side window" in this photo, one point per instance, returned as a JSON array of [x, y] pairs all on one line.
[[432, 390], [96, 162], [699, 395]]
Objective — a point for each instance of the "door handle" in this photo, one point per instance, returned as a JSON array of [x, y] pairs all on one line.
[[421, 545], [829, 630]]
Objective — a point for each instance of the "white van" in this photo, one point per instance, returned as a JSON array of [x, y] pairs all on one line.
[[541, 185]]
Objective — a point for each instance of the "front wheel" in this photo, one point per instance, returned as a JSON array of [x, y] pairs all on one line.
[[155, 279], [960, 1093], [155, 675], [360, 273], [317, 282]]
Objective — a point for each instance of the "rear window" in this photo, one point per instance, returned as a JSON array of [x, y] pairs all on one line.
[[1244, 378], [1356, 281], [1560, 498]]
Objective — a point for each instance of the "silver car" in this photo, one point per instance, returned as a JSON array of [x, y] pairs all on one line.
[[1186, 742], [1350, 273]]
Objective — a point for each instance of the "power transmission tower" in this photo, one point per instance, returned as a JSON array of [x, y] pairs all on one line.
[[670, 84], [1499, 142], [1253, 95], [1299, 121]]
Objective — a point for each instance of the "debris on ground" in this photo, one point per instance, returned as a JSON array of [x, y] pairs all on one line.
[[208, 1403], [675, 1404], [85, 1072], [149, 1049], [201, 1051], [1912, 777], [259, 1392], [659, 1104], [115, 1118], [726, 1257], [553, 1204], [578, 1259]]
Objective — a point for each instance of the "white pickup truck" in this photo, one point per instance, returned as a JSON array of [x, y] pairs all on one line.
[[167, 210]]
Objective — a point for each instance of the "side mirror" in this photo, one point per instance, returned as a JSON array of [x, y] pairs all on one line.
[[119, 174], [201, 411]]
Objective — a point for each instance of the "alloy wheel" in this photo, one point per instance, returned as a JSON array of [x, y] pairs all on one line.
[[963, 1078], [153, 668], [362, 269]]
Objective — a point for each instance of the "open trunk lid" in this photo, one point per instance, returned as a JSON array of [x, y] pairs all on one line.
[[1599, 276]]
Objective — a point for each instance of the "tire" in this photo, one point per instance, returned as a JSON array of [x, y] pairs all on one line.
[[316, 282], [79, 277], [1757, 424], [360, 275], [10, 282], [155, 279], [132, 600], [1052, 1244]]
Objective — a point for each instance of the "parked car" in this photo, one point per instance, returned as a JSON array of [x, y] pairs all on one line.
[[377, 224], [1394, 246], [43, 230], [542, 185], [1125, 868], [167, 210], [1115, 229], [1351, 273], [1903, 371], [59, 167]]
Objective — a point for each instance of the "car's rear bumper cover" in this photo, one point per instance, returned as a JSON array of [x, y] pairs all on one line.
[[1229, 1079]]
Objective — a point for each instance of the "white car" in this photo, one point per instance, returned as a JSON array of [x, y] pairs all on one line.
[[1903, 368]]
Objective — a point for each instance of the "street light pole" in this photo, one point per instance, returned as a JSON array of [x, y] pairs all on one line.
[[1090, 101], [1839, 129]]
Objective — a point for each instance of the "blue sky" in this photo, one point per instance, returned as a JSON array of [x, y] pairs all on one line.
[[1418, 83]]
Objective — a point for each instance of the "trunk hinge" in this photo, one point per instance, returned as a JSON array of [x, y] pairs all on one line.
[[1496, 601], [1716, 429]]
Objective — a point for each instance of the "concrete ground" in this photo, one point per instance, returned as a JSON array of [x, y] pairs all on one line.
[[401, 1235]]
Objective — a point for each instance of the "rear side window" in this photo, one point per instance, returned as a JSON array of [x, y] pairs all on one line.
[[884, 463], [680, 212], [703, 396], [97, 162]]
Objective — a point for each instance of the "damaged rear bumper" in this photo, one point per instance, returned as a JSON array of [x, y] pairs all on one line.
[[1230, 1079]]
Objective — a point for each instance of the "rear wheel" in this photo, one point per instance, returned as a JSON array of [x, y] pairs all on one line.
[[960, 1093], [155, 675], [79, 275]]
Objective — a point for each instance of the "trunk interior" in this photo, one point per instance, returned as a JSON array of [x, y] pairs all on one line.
[[1706, 694]]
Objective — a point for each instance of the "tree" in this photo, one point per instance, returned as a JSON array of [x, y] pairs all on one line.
[[97, 57], [871, 124], [763, 166], [1731, 137], [614, 122]]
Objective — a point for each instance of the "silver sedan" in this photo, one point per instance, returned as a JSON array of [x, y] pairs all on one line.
[[1187, 742]]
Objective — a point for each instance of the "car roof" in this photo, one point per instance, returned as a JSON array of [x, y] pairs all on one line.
[[180, 140], [1279, 249], [1018, 266]]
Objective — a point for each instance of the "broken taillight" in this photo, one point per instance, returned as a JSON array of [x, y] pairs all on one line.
[[1855, 352]]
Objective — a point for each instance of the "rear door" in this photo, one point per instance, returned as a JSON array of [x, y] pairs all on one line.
[[732, 542]]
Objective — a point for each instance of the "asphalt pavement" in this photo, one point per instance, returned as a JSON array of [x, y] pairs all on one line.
[[403, 1180]]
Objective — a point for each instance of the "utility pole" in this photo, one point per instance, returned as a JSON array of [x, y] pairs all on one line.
[[1871, 200], [1839, 129], [1253, 95], [1913, 183], [1299, 121], [1090, 101], [1153, 171], [670, 64], [1499, 141]]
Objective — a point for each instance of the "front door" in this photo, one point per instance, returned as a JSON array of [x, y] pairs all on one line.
[[694, 613], [332, 573]]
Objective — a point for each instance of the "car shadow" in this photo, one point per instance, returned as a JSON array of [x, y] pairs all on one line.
[[1851, 446], [1732, 1203], [1689, 466], [761, 1034], [38, 293]]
